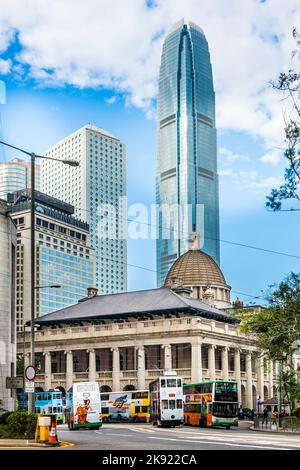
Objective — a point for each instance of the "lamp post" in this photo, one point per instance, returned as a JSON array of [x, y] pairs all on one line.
[[24, 330], [33, 157], [280, 370]]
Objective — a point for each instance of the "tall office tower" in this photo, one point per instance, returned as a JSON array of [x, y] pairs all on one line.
[[97, 189], [187, 180], [63, 255], [15, 175]]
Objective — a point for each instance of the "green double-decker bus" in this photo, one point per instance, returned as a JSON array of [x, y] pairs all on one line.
[[210, 404]]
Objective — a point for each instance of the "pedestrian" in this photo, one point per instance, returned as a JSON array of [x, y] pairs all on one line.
[[274, 417], [265, 415], [269, 413]]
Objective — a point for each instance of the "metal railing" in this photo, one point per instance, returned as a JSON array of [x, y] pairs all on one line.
[[269, 424], [288, 423], [291, 423]]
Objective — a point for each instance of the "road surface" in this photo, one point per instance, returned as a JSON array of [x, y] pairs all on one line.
[[147, 437]]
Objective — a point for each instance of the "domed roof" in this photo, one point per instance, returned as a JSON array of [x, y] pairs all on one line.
[[195, 268]]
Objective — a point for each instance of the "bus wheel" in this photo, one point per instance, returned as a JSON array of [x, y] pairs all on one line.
[[228, 427]]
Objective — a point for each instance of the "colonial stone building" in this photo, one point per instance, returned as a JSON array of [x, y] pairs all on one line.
[[126, 340]]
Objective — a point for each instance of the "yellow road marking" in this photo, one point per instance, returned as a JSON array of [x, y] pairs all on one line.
[[62, 444]]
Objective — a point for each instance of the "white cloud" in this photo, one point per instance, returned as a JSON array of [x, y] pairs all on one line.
[[117, 45], [265, 184], [274, 157], [5, 66], [111, 100], [229, 157], [227, 172]]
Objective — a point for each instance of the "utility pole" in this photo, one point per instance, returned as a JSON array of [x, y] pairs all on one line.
[[280, 369], [31, 406]]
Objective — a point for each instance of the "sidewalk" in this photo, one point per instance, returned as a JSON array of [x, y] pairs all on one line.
[[21, 443], [274, 431]]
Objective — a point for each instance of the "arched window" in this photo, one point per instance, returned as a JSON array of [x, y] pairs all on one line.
[[128, 388], [105, 389]]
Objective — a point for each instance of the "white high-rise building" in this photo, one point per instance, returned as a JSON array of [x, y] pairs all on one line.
[[97, 190]]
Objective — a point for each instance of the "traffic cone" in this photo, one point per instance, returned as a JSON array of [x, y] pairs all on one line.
[[53, 441]]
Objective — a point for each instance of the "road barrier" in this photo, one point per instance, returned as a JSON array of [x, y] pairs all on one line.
[[288, 423], [291, 423], [265, 423]]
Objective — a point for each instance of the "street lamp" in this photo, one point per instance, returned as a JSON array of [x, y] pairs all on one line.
[[33, 156]]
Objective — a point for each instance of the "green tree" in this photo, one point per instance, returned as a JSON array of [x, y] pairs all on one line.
[[288, 84], [290, 386], [276, 328]]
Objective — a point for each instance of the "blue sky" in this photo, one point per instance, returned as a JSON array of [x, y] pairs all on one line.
[[54, 88]]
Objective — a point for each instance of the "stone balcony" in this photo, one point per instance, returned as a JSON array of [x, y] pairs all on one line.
[[141, 329]]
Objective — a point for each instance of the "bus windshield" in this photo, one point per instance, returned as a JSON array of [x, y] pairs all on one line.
[[226, 391], [225, 410]]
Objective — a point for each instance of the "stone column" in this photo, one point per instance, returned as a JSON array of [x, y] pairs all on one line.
[[237, 372], [69, 369], [212, 362], [141, 380], [196, 360], [260, 377], [92, 365], [48, 371], [271, 378], [168, 356], [225, 372], [249, 394], [115, 370]]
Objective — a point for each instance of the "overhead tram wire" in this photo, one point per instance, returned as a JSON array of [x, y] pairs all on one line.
[[243, 245], [144, 268]]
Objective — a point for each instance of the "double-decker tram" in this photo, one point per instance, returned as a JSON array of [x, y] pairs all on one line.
[[51, 402], [166, 400], [211, 404], [129, 406]]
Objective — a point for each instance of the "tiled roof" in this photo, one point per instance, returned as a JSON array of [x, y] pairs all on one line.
[[133, 304]]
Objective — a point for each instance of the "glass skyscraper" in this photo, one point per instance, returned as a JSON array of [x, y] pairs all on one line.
[[63, 255], [187, 180]]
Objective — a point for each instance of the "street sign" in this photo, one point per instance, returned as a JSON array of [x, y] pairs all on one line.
[[30, 373], [14, 382], [29, 386]]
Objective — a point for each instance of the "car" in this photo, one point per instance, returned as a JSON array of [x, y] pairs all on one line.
[[245, 413], [118, 417]]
